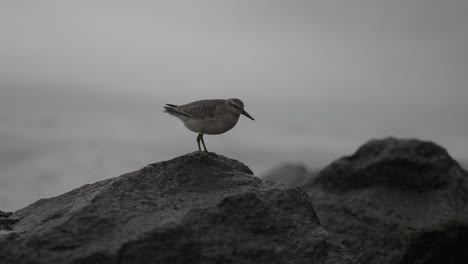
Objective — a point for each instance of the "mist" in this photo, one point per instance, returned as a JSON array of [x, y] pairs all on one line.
[[83, 83]]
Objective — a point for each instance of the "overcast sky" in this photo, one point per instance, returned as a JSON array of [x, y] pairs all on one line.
[[326, 50], [320, 77]]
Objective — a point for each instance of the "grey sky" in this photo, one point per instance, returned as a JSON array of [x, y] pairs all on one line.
[[325, 49], [82, 82]]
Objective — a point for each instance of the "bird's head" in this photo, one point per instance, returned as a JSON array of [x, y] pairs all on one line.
[[236, 106]]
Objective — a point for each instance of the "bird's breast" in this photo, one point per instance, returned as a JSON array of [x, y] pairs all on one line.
[[212, 126]]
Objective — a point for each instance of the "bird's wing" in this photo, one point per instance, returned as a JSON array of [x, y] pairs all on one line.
[[202, 109]]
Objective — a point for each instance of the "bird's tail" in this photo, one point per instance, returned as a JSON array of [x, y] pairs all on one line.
[[172, 110]]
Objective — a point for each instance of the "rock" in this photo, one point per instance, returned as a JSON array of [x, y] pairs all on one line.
[[396, 201], [4, 214], [176, 211], [5, 222], [291, 175]]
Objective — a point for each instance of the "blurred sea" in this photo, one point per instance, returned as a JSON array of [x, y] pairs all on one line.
[[53, 141]]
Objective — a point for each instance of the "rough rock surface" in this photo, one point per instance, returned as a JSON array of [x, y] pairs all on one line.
[[5, 222], [396, 201], [176, 211]]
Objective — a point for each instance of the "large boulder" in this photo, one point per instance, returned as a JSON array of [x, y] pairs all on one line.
[[176, 211], [396, 201]]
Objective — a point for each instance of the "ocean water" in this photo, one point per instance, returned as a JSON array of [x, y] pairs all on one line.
[[53, 141]]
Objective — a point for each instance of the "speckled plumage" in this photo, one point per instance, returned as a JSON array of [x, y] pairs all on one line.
[[204, 109]]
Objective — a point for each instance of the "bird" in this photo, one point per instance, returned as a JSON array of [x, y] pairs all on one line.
[[210, 117]]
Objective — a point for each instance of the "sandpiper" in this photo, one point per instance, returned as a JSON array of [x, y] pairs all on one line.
[[211, 117]]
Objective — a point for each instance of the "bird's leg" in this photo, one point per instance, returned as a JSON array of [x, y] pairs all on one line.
[[198, 142], [201, 156], [203, 142]]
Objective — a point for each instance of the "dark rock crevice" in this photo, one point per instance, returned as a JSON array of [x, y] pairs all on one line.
[[443, 244]]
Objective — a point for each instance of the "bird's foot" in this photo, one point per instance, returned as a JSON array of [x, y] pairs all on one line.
[[203, 156]]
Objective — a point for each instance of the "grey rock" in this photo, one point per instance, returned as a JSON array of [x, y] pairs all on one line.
[[176, 211], [5, 222], [5, 214], [396, 201]]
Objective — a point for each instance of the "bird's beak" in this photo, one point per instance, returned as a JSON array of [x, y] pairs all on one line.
[[247, 114]]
